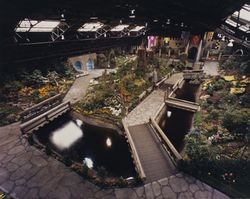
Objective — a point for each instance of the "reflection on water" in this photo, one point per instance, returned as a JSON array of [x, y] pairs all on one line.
[[108, 142], [94, 145], [88, 162], [65, 136]]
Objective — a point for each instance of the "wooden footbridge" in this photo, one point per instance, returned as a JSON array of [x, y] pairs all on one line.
[[40, 114], [182, 104], [154, 155]]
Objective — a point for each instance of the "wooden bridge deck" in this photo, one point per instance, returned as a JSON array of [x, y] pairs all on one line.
[[182, 104], [154, 159]]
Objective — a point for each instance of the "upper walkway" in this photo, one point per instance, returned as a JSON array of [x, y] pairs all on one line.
[[174, 79], [80, 86], [149, 106]]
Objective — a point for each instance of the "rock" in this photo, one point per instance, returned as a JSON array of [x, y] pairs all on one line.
[[16, 150], [178, 184], [203, 195], [139, 191], [185, 195], [125, 193], [149, 191], [168, 193], [193, 188], [163, 181], [156, 188]]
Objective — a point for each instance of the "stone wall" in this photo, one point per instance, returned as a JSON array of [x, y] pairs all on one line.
[[83, 62]]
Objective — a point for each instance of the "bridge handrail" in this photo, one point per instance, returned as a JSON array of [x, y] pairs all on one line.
[[134, 151], [43, 116], [184, 101], [174, 153], [193, 71], [36, 110], [165, 78]]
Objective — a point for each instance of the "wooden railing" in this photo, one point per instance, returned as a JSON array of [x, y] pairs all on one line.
[[134, 152], [171, 150], [158, 84], [44, 118], [40, 108]]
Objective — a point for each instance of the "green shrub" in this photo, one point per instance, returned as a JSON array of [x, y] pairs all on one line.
[[237, 121]]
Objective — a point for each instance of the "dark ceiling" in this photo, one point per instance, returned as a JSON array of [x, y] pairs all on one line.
[[196, 16]]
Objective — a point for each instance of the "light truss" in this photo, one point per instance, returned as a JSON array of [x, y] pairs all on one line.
[[28, 25], [119, 28], [59, 30], [91, 27], [137, 28]]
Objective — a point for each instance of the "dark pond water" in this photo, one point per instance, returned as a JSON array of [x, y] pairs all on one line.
[[187, 92], [180, 122], [94, 145]]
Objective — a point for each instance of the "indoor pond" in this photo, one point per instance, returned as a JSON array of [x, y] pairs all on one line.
[[95, 146]]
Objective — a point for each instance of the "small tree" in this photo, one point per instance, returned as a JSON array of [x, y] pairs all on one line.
[[112, 61], [53, 76], [101, 61]]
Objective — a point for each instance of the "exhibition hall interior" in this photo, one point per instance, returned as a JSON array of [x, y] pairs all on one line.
[[124, 99]]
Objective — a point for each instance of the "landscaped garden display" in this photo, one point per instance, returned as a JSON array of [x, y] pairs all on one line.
[[26, 86], [218, 147], [112, 95]]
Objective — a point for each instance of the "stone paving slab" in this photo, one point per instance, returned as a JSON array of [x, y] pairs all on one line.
[[151, 104], [146, 109], [211, 68]]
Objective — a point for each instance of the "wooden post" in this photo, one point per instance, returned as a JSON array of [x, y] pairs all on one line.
[[207, 55], [219, 58]]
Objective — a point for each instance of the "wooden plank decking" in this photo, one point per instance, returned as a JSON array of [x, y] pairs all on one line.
[[155, 161]]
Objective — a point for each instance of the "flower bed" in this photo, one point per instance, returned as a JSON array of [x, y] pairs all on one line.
[[218, 148], [24, 89]]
